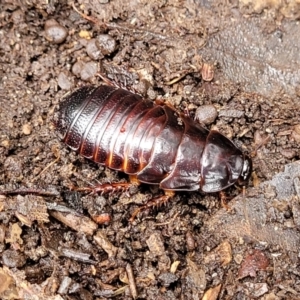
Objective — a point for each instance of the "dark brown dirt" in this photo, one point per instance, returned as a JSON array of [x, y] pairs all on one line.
[[242, 58]]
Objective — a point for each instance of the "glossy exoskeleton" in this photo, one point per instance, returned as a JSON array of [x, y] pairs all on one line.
[[158, 145]]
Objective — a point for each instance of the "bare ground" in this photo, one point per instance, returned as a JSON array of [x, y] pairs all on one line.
[[66, 245]]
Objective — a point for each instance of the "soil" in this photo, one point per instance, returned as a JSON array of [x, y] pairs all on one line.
[[238, 60]]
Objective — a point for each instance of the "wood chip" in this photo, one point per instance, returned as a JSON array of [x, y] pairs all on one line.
[[78, 223], [105, 244]]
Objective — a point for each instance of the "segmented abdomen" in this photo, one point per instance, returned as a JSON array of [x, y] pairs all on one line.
[[121, 130], [125, 132]]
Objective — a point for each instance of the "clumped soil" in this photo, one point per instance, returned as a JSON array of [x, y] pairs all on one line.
[[239, 60]]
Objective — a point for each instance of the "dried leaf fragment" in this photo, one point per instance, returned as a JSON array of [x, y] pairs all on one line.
[[5, 280], [157, 249], [254, 262], [257, 289], [15, 232], [222, 254], [196, 276], [212, 293], [155, 244], [174, 266]]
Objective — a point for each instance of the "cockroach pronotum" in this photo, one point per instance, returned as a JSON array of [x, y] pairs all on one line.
[[150, 141]]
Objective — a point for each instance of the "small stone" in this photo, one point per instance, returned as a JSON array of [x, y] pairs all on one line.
[[92, 50], [167, 279], [13, 166], [106, 44], [206, 114], [190, 241], [17, 16], [13, 259], [5, 143], [85, 34], [77, 67], [288, 153], [64, 285], [54, 32], [257, 289], [26, 129], [64, 81], [88, 71]]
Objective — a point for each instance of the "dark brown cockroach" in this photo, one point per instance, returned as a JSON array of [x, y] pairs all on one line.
[[150, 141]]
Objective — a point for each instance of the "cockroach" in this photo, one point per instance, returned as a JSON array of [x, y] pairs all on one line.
[[150, 141]]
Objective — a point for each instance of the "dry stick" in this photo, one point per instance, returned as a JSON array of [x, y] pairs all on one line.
[[131, 280], [29, 190]]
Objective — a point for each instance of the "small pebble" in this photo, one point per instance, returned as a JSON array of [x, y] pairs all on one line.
[[106, 44], [166, 279], [288, 153], [64, 81], [5, 143], [77, 67], [54, 32], [92, 50], [88, 71], [190, 241], [142, 87], [17, 16], [85, 34], [26, 129], [206, 114], [13, 259], [151, 94], [13, 166]]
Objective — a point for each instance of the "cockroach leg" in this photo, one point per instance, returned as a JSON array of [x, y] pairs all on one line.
[[224, 200], [133, 180], [155, 202], [115, 83], [105, 188], [186, 113], [109, 188], [107, 81], [262, 141], [91, 19]]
